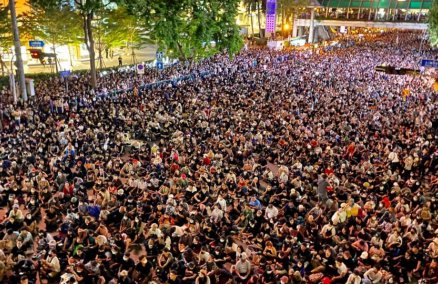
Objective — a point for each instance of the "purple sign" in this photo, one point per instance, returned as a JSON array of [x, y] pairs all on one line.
[[271, 6]]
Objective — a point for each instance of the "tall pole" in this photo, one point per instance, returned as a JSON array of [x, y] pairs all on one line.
[[20, 69], [312, 24]]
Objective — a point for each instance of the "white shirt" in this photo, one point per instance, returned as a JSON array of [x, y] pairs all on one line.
[[374, 277], [342, 269], [271, 213], [339, 217], [393, 157], [54, 263], [353, 279], [222, 203]]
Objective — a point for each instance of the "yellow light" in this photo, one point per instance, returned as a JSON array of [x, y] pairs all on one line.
[[286, 26]]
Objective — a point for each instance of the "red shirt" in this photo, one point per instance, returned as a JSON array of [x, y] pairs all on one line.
[[386, 202], [206, 161], [68, 190], [174, 167]]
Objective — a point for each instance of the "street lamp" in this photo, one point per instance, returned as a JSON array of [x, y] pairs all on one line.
[[286, 29]]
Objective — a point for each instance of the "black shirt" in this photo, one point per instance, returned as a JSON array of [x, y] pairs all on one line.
[[144, 270]]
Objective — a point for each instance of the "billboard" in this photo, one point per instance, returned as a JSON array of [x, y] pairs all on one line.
[[271, 7]]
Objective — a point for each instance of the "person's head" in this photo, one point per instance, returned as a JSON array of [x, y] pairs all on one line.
[[24, 279], [80, 267], [126, 256], [123, 273], [143, 259], [173, 274], [80, 251]]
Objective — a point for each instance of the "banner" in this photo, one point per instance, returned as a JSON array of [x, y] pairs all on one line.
[[271, 7]]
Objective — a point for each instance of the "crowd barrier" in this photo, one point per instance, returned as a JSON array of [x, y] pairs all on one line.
[[175, 81], [151, 86]]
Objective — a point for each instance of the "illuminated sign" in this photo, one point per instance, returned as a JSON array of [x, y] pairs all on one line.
[[271, 6]]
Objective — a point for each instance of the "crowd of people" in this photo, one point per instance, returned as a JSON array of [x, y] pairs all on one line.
[[279, 167]]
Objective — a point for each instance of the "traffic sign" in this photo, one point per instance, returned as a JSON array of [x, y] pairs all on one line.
[[160, 56], [65, 74], [36, 43], [429, 63], [140, 69], [160, 65]]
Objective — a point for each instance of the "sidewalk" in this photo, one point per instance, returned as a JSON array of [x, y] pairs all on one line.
[[145, 54]]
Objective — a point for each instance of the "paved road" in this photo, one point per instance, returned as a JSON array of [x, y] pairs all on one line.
[[145, 54]]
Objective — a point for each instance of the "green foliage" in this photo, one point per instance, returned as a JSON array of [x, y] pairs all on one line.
[[291, 6], [187, 27], [433, 23], [59, 25], [5, 29], [117, 28]]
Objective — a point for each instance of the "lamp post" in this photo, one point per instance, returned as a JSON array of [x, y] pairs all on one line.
[[20, 69], [286, 28], [12, 81]]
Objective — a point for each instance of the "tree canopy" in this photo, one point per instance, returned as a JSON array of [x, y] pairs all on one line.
[[6, 40], [117, 28], [59, 25], [187, 28]]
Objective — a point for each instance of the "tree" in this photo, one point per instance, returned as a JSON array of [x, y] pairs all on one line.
[[188, 27], [433, 23], [117, 28], [87, 10], [288, 9], [6, 40], [59, 25], [6, 36], [259, 12]]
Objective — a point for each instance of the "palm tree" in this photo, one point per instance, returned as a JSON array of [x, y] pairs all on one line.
[[249, 4], [259, 4]]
